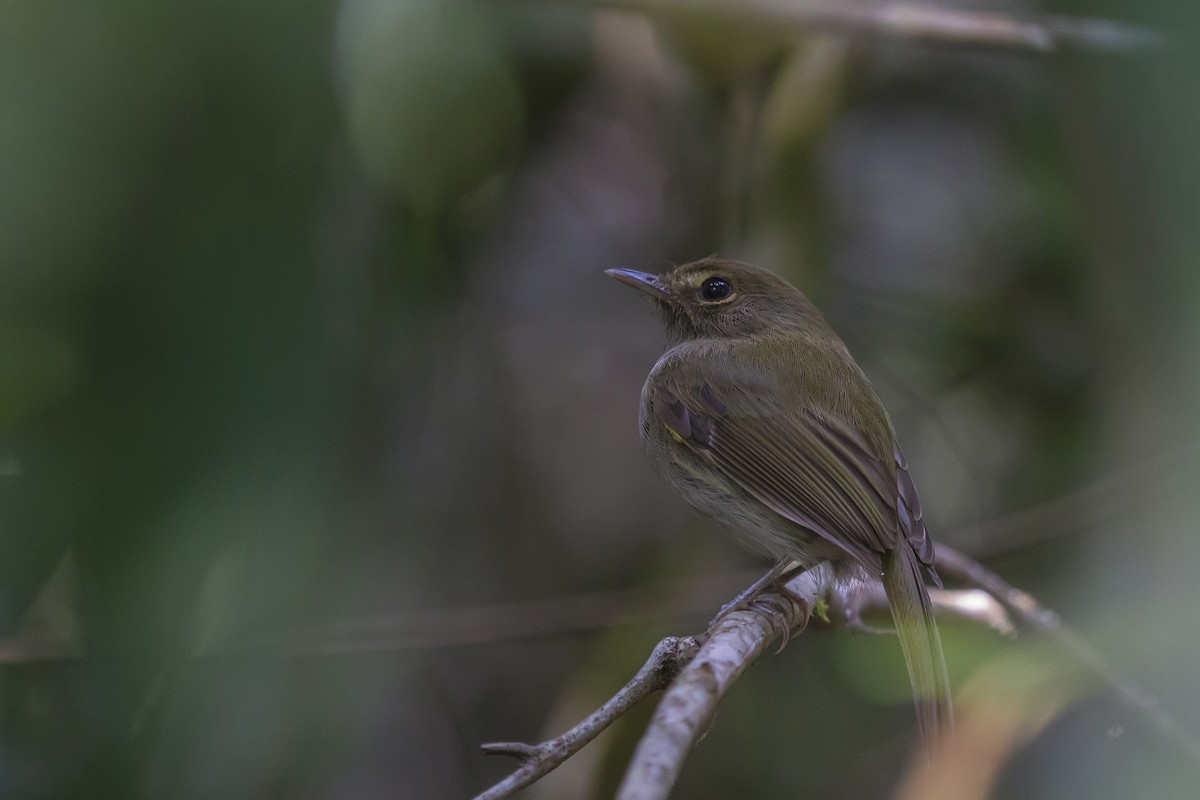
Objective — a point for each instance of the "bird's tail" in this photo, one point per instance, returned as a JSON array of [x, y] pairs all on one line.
[[913, 614]]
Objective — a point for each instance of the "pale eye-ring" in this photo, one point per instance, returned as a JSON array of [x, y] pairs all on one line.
[[714, 289]]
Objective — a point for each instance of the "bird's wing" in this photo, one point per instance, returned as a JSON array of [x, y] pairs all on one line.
[[808, 466]]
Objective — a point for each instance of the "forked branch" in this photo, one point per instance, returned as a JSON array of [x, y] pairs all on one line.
[[735, 642], [697, 671], [657, 673]]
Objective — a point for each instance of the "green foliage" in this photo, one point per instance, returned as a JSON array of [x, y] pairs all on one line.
[[430, 94]]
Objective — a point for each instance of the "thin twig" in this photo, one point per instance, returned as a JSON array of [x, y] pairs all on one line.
[[972, 605], [1087, 506], [932, 22], [658, 671], [734, 643], [966, 569], [1119, 492]]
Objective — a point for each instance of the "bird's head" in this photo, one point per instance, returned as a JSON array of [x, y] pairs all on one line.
[[718, 298]]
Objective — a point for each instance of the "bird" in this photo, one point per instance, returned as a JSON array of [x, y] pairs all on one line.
[[759, 417]]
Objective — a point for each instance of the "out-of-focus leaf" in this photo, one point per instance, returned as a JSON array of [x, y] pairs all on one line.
[[721, 45], [552, 49], [429, 94], [37, 367]]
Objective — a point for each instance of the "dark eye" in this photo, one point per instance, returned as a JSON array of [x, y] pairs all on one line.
[[715, 288]]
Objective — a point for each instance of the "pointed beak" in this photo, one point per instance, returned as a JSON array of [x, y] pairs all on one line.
[[642, 281]]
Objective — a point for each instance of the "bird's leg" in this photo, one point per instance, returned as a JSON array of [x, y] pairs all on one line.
[[776, 573]]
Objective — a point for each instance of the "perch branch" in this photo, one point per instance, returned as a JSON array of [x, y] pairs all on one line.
[[735, 642], [739, 638], [658, 671]]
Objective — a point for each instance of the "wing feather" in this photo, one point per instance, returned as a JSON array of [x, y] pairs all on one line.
[[809, 467]]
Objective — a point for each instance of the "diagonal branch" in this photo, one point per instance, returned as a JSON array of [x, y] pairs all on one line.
[[1035, 615], [664, 663], [921, 21], [697, 678], [970, 605], [735, 642]]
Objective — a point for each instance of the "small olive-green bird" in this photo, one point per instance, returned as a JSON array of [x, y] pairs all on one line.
[[759, 417]]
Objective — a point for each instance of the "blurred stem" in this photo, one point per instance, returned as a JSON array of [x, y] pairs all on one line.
[[428, 252], [928, 22], [1118, 493], [744, 105]]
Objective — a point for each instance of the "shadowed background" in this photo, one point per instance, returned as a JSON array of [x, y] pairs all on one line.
[[318, 450]]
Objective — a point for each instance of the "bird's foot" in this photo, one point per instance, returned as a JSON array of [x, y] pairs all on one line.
[[777, 574]]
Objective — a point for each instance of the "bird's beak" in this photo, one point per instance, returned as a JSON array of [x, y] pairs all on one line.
[[642, 281]]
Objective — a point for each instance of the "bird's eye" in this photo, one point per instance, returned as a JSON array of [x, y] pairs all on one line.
[[714, 289]]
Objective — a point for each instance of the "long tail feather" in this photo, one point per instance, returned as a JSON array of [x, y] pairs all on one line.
[[913, 614]]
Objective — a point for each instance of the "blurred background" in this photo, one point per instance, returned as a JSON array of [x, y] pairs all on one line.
[[318, 450]]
